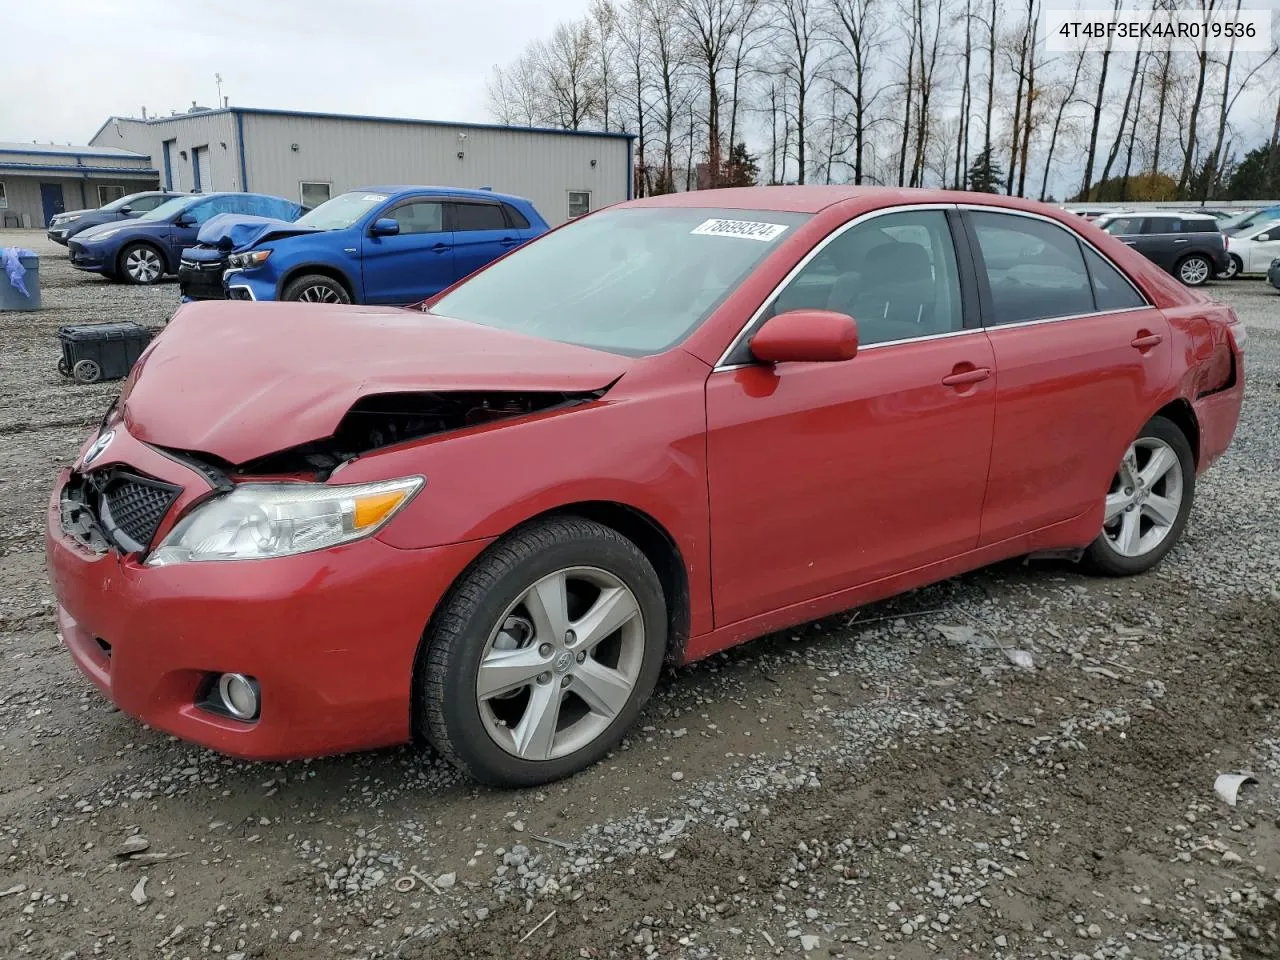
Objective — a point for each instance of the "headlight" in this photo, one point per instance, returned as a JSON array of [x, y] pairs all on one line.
[[254, 258], [62, 219], [100, 234], [260, 520]]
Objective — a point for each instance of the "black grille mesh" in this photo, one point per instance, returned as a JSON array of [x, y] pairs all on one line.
[[136, 507]]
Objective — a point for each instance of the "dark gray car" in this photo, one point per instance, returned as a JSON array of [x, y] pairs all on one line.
[[64, 226], [1189, 246]]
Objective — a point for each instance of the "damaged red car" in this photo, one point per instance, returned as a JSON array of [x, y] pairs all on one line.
[[661, 430]]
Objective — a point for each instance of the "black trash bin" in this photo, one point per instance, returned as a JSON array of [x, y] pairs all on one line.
[[101, 351]]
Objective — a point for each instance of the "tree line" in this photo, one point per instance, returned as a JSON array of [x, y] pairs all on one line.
[[955, 93]]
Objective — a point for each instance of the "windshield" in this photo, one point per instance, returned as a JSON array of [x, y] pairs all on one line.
[[634, 281], [1250, 221], [115, 205], [170, 208], [342, 211]]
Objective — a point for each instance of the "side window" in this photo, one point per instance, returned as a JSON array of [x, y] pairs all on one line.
[[1163, 225], [1110, 289], [1124, 227], [895, 275], [1034, 268], [478, 216], [143, 204], [420, 217], [517, 219], [203, 211]]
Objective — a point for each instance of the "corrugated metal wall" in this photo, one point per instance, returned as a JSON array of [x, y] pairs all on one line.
[[216, 129], [352, 153], [23, 192]]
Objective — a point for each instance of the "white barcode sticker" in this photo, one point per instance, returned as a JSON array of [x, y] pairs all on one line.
[[743, 229]]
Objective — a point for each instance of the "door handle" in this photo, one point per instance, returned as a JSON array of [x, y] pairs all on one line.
[[440, 248], [1131, 243], [1145, 341], [509, 241], [1183, 240], [963, 378]]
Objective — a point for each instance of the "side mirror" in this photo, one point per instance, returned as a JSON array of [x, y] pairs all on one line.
[[127, 211], [185, 220], [806, 336], [1265, 237], [384, 227]]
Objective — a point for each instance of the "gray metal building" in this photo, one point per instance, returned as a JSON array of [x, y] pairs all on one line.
[[38, 180], [309, 157]]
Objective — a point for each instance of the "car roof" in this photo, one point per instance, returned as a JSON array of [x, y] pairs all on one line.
[[468, 192]]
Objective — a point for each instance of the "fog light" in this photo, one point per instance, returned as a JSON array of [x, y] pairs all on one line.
[[238, 695]]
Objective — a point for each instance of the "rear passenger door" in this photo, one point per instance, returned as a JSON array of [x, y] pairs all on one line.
[[413, 264], [1080, 360], [481, 234], [1163, 241]]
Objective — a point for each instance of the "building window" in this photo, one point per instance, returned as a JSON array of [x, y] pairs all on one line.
[[314, 193], [579, 203], [108, 192], [4, 197]]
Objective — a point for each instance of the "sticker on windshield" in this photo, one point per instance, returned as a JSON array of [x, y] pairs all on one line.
[[743, 229], [376, 197]]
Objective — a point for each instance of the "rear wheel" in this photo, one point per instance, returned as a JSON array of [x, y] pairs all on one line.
[[1234, 267], [316, 288], [543, 653], [141, 263], [1148, 502], [1195, 270]]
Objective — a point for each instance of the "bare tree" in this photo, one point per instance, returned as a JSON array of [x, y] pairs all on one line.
[[1033, 95], [566, 62], [1164, 86], [636, 65], [1207, 7], [1098, 104], [801, 54], [603, 21], [927, 54], [1066, 99], [856, 30], [1124, 114], [962, 135], [708, 26], [749, 36], [669, 77], [908, 91], [514, 94]]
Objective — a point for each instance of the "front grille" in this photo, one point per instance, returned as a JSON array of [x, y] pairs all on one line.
[[117, 507], [239, 293], [136, 507]]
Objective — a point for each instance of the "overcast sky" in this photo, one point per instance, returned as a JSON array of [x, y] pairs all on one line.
[[81, 61]]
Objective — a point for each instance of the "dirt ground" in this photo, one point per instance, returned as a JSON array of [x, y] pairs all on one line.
[[881, 784]]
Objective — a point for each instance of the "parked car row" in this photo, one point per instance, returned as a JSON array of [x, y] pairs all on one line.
[[64, 226], [1188, 245]]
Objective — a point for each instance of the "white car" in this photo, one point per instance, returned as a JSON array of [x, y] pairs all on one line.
[[1253, 251]]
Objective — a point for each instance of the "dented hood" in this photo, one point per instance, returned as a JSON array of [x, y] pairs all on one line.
[[240, 381], [235, 231]]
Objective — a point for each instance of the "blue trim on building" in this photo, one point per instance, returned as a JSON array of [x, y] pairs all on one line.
[[631, 173], [86, 152], [311, 115], [244, 168], [81, 171]]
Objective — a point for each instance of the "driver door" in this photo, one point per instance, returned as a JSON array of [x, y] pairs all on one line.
[[413, 264], [826, 476], [1264, 249]]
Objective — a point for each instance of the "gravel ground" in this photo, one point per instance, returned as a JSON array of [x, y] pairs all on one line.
[[889, 783]]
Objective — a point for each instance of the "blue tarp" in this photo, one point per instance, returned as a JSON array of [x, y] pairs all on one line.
[[12, 258]]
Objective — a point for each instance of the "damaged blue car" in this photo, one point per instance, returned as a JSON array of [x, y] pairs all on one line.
[[377, 245]]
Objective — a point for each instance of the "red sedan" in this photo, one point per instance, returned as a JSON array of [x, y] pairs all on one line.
[[661, 430]]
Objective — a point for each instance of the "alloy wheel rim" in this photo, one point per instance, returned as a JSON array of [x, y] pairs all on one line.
[[1194, 270], [143, 265], [1145, 499], [560, 664], [319, 294], [1232, 268]]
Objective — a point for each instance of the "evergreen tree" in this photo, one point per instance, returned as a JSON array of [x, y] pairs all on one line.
[[741, 169], [985, 174]]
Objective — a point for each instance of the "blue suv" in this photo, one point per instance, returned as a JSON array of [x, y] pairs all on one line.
[[391, 245], [144, 249]]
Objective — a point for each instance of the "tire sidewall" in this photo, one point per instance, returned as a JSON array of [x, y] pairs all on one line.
[[1101, 553], [464, 724]]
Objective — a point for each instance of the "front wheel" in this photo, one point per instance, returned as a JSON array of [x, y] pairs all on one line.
[[543, 653], [1235, 266], [316, 288], [141, 263], [1195, 270], [1148, 503]]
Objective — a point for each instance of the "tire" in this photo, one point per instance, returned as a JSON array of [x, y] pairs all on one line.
[[484, 615], [1235, 266], [1145, 507], [86, 371], [63, 367], [1194, 270], [316, 288], [141, 264]]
